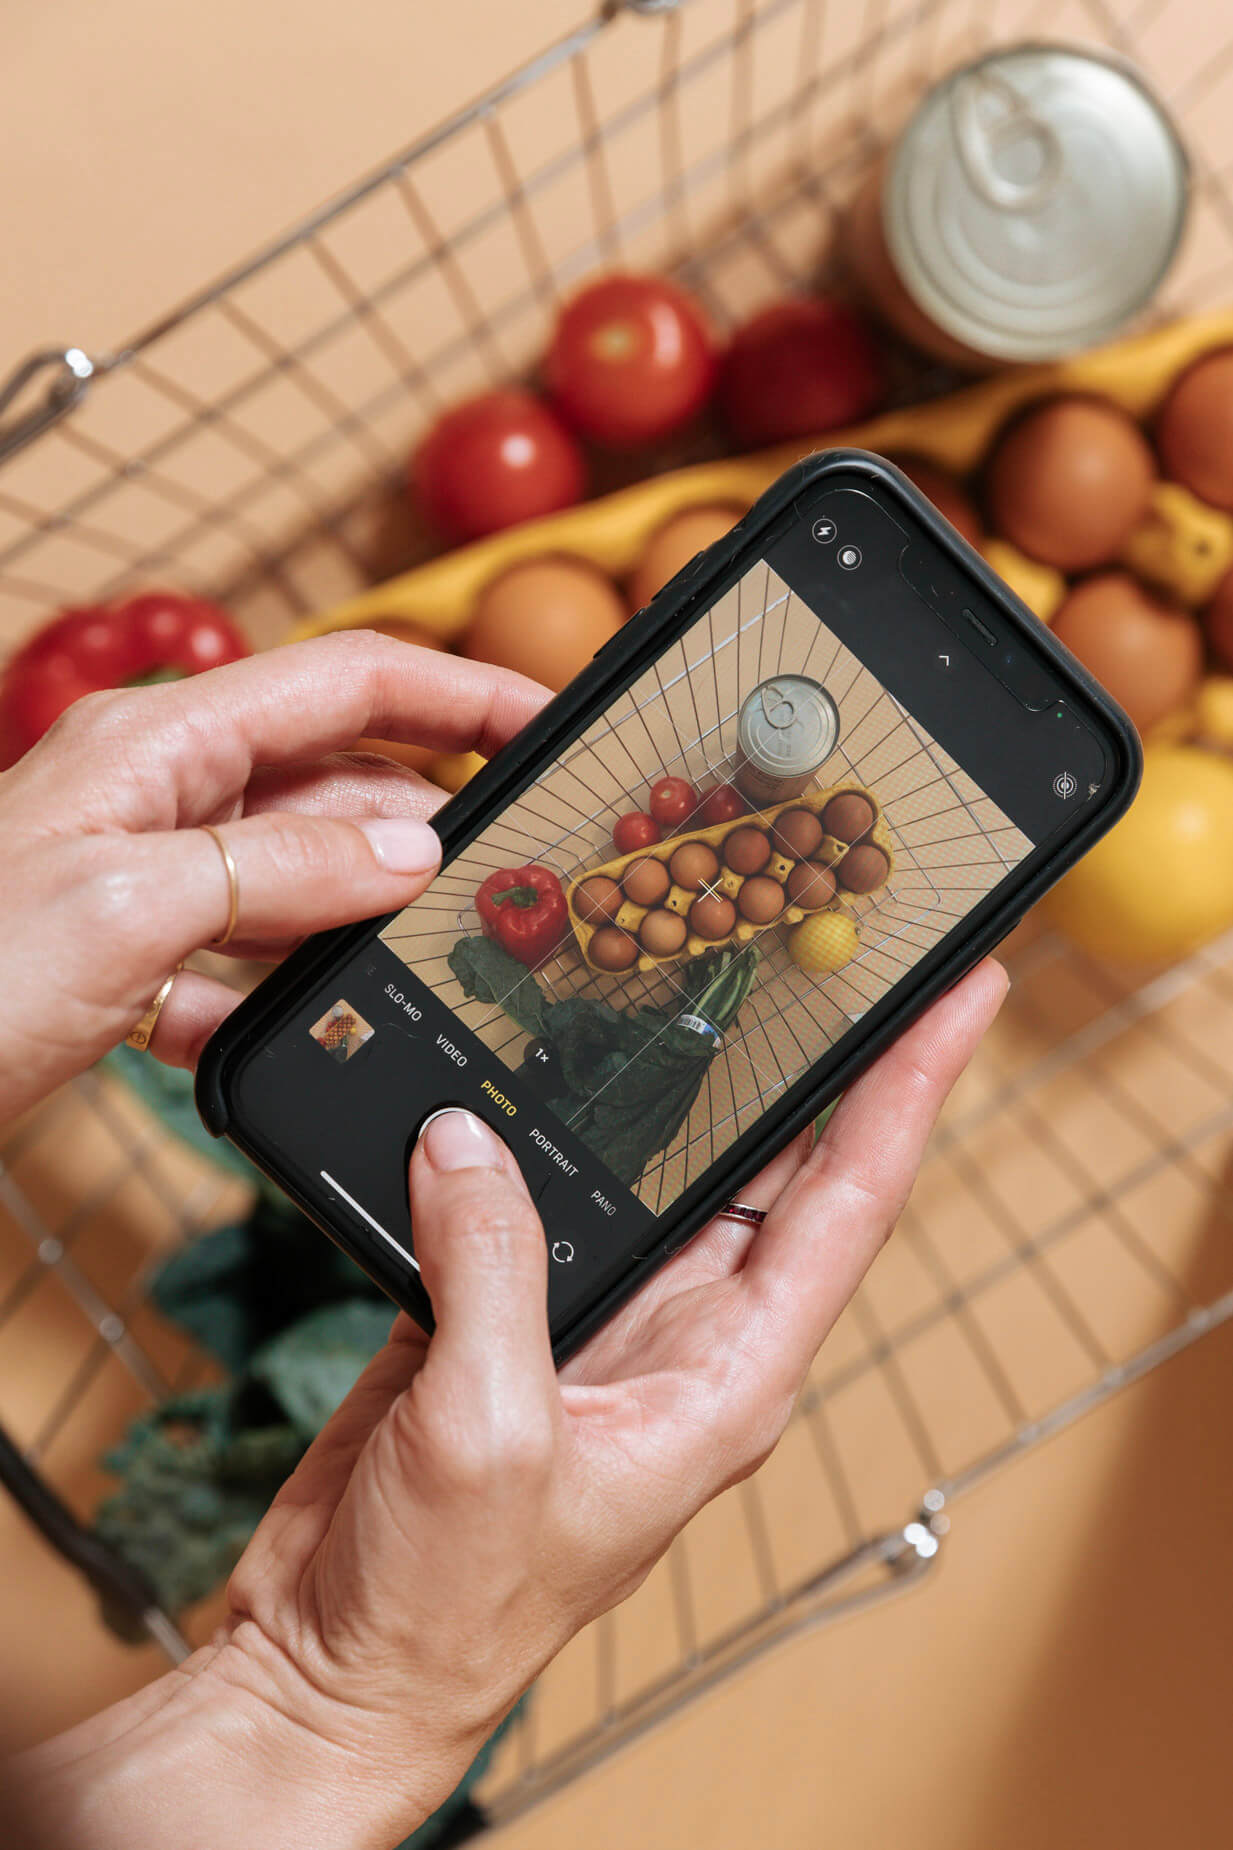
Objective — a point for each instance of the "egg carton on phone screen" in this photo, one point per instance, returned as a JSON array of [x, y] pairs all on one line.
[[830, 852]]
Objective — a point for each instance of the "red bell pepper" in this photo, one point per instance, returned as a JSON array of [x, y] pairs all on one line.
[[524, 909], [155, 636]]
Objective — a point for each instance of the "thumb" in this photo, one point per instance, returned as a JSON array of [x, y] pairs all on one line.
[[480, 1244]]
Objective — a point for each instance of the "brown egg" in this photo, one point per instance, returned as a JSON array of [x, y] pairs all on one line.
[[646, 881], [747, 850], [863, 869], [662, 933], [597, 898], [675, 545], [612, 949], [760, 899], [811, 885], [945, 493], [1148, 653], [1069, 481], [1195, 429], [1218, 622], [712, 917], [544, 618], [796, 833], [848, 816], [693, 863]]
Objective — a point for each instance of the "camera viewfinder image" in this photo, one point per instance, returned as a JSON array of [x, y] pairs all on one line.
[[341, 1031], [727, 869]]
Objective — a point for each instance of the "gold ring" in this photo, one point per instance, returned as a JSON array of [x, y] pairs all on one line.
[[233, 887], [140, 1036]]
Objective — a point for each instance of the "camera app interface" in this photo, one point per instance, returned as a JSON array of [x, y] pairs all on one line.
[[721, 876]]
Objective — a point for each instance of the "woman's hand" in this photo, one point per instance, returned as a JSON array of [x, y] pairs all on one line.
[[467, 1510], [101, 843]]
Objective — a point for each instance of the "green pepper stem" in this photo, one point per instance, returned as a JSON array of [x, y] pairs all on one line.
[[524, 896]]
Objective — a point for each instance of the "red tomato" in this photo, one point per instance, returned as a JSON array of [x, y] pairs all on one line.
[[495, 460], [723, 804], [631, 360], [799, 368], [155, 636], [637, 830], [673, 802]]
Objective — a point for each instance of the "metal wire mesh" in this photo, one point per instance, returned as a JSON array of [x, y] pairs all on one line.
[[1070, 1228]]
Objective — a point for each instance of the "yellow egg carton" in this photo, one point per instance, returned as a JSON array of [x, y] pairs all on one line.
[[679, 899]]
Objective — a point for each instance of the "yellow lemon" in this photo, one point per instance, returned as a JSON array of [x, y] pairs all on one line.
[[824, 942], [1161, 882]]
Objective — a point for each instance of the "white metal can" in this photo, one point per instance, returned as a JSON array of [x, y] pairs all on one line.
[[1030, 208], [787, 729]]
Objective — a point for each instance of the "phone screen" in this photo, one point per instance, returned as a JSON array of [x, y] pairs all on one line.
[[826, 779]]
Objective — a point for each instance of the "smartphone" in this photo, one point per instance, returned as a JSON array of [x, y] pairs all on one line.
[[892, 759]]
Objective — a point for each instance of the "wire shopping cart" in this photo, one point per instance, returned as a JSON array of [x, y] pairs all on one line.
[[1070, 1228]]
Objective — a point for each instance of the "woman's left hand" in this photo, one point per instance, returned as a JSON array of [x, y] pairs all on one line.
[[116, 881]]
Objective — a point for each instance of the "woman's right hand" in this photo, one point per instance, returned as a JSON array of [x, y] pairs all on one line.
[[468, 1510], [112, 879]]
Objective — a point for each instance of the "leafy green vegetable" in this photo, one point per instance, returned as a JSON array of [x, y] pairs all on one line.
[[239, 1286], [489, 974], [624, 1080], [199, 1472]]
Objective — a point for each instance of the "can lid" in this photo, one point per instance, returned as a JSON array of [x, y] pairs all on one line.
[[1035, 200], [789, 724]]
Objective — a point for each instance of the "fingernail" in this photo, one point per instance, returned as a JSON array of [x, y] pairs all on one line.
[[453, 1139], [402, 845]]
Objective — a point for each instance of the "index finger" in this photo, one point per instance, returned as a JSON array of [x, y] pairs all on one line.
[[199, 740], [827, 1227]]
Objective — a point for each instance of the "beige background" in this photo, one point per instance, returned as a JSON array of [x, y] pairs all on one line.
[[1066, 1680]]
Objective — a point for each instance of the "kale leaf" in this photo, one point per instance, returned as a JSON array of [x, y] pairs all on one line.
[[624, 1080]]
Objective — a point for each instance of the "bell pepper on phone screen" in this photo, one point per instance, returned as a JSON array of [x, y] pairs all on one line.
[[523, 909]]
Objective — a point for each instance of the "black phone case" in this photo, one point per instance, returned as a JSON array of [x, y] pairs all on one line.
[[634, 647]]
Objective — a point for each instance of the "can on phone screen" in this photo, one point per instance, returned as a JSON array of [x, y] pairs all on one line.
[[1030, 207], [787, 729]]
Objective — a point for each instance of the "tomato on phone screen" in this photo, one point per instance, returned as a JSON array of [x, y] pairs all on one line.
[[635, 830], [673, 801]]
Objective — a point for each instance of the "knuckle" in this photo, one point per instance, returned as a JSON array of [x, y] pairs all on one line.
[[305, 851], [355, 642], [480, 1454], [112, 892], [915, 1077], [362, 651], [113, 898], [525, 1448], [749, 1441], [493, 1221], [98, 716]]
